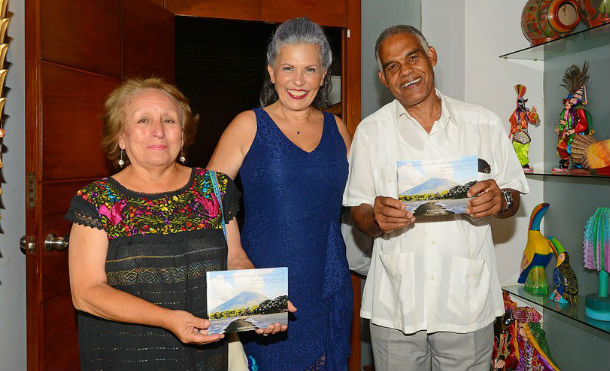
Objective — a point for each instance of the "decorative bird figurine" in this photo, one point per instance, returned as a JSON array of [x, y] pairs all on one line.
[[564, 279], [537, 254], [592, 153]]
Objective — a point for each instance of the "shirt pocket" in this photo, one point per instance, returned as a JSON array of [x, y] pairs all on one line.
[[468, 288], [397, 287]]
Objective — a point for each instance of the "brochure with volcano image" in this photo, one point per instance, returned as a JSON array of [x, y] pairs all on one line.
[[244, 300], [436, 187]]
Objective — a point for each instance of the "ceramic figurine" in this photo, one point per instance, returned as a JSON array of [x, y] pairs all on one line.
[[596, 249], [564, 279], [534, 351], [537, 254], [521, 118], [574, 118], [505, 355]]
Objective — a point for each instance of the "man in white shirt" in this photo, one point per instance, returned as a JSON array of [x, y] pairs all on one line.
[[432, 291]]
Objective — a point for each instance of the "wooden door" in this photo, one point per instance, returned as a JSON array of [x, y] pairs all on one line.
[[245, 10], [327, 12], [76, 53]]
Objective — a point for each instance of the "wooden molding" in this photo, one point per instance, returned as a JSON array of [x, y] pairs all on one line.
[[352, 66]]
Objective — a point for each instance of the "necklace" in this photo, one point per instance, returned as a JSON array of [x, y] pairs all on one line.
[[311, 119], [309, 123], [304, 126]]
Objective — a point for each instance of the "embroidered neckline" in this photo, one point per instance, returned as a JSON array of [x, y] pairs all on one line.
[[153, 196], [123, 212]]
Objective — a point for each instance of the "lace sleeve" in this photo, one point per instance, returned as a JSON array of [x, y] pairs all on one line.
[[83, 213], [230, 196]]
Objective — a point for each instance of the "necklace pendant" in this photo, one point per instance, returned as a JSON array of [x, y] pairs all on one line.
[[298, 132]]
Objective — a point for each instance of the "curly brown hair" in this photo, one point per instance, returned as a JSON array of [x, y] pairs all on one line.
[[114, 113]]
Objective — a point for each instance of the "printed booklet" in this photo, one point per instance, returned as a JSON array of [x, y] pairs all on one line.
[[244, 300], [436, 187]]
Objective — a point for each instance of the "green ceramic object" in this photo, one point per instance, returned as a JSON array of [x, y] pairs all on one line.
[[536, 281]]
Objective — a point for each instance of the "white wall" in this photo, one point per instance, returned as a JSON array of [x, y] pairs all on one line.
[[12, 262], [443, 25], [469, 68], [377, 15]]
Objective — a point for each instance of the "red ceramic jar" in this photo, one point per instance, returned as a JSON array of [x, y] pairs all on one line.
[[546, 20], [594, 12]]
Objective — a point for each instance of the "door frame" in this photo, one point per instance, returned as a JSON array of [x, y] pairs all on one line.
[[33, 165]]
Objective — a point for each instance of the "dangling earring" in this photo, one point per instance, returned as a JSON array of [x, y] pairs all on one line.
[[182, 158], [121, 162]]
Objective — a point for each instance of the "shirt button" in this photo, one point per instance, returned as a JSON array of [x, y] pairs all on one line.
[[431, 277]]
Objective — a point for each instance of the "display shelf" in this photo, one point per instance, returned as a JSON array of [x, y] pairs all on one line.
[[576, 341], [572, 174], [578, 41], [575, 312]]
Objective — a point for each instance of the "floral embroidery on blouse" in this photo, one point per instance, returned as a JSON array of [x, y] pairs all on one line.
[[194, 208]]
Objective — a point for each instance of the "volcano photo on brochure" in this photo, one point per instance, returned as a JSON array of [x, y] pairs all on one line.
[[436, 187], [244, 300]]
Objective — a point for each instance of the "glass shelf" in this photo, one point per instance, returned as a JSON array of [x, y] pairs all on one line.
[[575, 312], [575, 42], [570, 174]]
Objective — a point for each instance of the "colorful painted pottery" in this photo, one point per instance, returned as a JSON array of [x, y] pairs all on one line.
[[594, 12], [546, 20]]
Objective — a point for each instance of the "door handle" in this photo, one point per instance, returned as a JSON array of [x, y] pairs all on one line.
[[55, 243], [27, 245]]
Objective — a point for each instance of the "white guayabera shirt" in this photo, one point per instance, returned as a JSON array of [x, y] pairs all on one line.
[[437, 274]]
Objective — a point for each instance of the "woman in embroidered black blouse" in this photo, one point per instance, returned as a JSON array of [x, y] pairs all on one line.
[[142, 240]]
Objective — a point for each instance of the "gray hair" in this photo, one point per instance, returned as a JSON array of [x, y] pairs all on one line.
[[297, 31], [396, 30]]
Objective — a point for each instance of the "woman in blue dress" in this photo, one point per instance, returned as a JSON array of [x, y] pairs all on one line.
[[292, 159]]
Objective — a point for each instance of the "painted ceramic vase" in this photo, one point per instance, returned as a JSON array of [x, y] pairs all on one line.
[[594, 12], [546, 20]]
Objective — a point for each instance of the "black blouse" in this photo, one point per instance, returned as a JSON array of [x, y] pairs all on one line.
[[160, 247]]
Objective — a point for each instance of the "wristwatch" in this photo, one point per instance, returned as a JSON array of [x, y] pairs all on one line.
[[508, 197]]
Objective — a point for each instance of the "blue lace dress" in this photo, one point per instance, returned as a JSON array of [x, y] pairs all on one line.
[[292, 204]]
